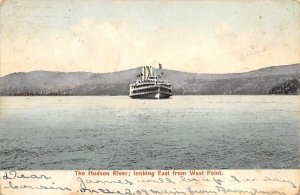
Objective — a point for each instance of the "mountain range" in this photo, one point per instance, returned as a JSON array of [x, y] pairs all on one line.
[[258, 82]]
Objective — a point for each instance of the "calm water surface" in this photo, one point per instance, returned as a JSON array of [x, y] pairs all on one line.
[[184, 132]]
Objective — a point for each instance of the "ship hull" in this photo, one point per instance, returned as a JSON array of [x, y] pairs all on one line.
[[152, 95]]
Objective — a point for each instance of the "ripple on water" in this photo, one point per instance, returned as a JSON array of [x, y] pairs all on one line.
[[180, 133]]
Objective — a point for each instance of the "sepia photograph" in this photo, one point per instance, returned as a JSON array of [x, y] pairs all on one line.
[[149, 85]]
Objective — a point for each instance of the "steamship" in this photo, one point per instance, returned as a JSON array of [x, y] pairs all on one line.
[[150, 84]]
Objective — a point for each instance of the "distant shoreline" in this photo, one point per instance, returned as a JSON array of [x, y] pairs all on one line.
[[128, 95], [272, 80]]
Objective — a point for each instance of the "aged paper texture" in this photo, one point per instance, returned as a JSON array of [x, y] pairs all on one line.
[[159, 97]]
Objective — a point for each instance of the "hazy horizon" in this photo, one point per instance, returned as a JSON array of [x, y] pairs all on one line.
[[107, 36], [141, 67]]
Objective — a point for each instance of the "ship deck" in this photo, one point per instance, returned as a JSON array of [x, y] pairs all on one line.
[[151, 91]]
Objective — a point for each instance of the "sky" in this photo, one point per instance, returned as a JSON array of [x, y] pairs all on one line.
[[201, 36]]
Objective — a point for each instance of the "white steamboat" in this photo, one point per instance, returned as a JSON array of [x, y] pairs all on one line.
[[150, 84]]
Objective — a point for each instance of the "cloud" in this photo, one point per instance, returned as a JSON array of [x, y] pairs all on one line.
[[97, 46]]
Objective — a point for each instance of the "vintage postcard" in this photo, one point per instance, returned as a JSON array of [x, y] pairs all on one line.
[[149, 97]]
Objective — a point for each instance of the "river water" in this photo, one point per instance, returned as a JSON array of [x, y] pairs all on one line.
[[184, 132]]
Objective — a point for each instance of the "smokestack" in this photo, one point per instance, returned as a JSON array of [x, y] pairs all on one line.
[[143, 73], [151, 71]]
